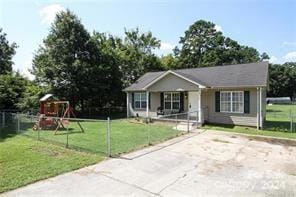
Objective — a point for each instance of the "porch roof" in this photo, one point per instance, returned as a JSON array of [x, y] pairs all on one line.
[[239, 75]]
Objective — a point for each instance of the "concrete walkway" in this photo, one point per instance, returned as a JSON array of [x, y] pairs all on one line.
[[197, 164]]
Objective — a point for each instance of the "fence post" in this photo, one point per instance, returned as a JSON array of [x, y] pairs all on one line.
[[148, 124], [188, 122], [3, 119], [176, 122], [108, 138], [18, 123], [291, 121], [67, 143], [197, 118]]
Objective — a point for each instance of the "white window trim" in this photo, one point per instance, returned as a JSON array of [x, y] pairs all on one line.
[[231, 110], [171, 101], [139, 100]]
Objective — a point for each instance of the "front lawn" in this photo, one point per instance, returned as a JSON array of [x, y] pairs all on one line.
[[24, 160], [126, 135], [277, 123]]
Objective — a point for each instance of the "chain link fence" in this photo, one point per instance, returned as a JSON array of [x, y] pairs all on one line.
[[278, 120], [109, 137]]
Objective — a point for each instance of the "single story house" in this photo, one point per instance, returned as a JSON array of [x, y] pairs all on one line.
[[231, 94]]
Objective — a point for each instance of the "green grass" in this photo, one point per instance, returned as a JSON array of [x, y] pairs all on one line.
[[277, 123], [24, 160], [125, 135]]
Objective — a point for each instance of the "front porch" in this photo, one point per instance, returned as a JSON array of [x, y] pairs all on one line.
[[166, 105]]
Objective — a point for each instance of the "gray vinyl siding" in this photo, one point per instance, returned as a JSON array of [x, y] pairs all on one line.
[[172, 83], [210, 115]]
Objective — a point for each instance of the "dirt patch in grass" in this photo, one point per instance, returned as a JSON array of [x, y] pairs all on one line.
[[46, 151]]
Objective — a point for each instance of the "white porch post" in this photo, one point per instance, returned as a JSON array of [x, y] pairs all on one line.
[[258, 108], [127, 104], [200, 118], [147, 104]]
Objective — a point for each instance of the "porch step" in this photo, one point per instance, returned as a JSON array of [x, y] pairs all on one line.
[[182, 126]]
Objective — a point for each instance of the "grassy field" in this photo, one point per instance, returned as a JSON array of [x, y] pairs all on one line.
[[24, 160], [277, 123], [126, 135]]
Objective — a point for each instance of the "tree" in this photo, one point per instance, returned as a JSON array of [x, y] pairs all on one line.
[[136, 52], [76, 65], [202, 45], [109, 74], [29, 101], [12, 88], [7, 51], [282, 80], [168, 62]]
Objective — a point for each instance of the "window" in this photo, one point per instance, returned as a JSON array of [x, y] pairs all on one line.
[[140, 101], [171, 100], [232, 101]]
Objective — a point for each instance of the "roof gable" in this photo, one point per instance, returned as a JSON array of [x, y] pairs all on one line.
[[172, 82], [173, 73]]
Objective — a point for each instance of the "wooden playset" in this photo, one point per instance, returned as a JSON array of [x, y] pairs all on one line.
[[54, 114]]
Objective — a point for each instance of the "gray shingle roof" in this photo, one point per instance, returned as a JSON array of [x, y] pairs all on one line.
[[239, 75]]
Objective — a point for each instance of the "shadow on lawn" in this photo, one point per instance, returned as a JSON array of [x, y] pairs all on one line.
[[283, 126], [273, 110]]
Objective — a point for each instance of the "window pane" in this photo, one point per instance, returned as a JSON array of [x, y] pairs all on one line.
[[143, 96], [167, 105], [226, 107], [144, 104], [176, 105], [137, 96], [176, 96], [225, 102], [137, 104], [237, 102], [167, 96]]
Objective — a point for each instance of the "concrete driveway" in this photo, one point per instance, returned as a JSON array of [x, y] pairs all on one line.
[[198, 164]]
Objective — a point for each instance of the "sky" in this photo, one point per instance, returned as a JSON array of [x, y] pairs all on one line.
[[267, 25]]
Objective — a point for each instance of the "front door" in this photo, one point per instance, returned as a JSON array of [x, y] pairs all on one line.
[[193, 102]]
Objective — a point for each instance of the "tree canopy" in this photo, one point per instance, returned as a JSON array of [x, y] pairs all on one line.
[[282, 80], [202, 45], [12, 89], [136, 52], [7, 51]]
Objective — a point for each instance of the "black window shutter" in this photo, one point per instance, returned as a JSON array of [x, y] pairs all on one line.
[[217, 101], [161, 100], [246, 102], [149, 96], [133, 95], [181, 101]]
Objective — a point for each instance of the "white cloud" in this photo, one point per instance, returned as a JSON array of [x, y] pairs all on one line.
[[289, 43], [273, 60], [166, 46], [218, 28], [290, 57], [49, 12]]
